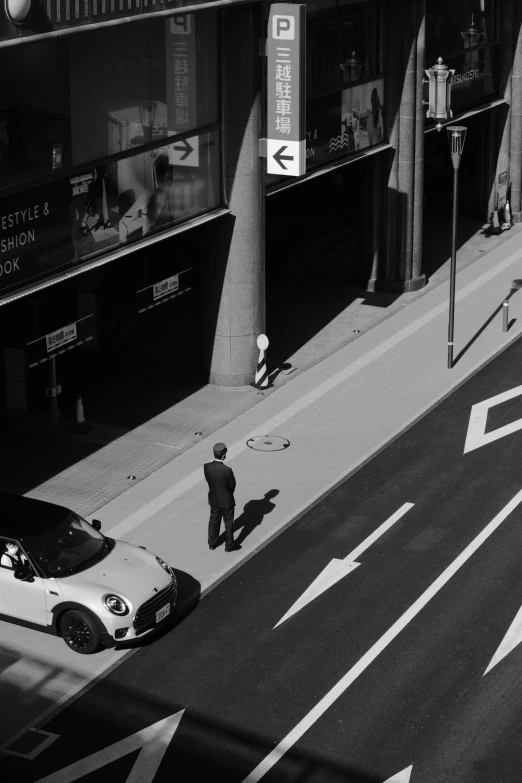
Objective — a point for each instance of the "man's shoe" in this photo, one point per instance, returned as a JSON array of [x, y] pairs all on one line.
[[232, 548], [212, 547]]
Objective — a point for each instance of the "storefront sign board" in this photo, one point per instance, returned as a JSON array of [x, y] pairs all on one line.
[[286, 93], [165, 287], [67, 334]]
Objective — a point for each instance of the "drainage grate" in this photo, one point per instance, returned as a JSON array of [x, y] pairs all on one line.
[[31, 744]]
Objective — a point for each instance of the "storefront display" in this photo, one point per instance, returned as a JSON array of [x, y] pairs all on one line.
[[345, 122], [75, 218]]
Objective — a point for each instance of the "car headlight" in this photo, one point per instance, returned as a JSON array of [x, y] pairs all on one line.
[[115, 604], [165, 566]]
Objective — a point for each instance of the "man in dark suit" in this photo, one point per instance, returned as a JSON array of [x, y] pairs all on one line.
[[221, 486]]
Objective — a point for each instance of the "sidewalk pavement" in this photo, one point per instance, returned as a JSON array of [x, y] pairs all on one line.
[[336, 415]]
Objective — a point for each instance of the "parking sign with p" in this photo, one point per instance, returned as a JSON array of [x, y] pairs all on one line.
[[283, 27]]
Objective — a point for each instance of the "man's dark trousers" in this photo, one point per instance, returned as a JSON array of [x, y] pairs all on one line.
[[221, 485]]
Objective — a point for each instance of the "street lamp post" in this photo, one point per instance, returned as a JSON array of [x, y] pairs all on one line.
[[456, 138]]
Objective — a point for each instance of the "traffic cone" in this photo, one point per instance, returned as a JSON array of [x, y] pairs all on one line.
[[81, 425]]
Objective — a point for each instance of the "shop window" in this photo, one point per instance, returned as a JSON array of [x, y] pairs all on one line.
[[147, 82], [35, 132], [343, 44], [70, 101], [453, 25]]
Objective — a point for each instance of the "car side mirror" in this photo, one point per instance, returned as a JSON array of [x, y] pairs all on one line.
[[96, 524], [24, 574]]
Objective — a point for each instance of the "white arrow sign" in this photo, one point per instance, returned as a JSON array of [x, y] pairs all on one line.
[[336, 569], [476, 435], [153, 741], [340, 687], [401, 777], [509, 642]]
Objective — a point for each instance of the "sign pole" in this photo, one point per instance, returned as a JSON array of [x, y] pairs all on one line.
[[54, 399]]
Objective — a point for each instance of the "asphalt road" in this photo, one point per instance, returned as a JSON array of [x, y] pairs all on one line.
[[411, 630]]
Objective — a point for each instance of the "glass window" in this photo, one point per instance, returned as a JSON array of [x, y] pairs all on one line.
[[453, 25], [343, 44], [70, 101]]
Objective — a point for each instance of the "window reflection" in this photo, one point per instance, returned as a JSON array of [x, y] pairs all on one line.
[[74, 100], [343, 44]]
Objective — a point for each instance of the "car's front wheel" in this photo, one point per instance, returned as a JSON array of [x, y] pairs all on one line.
[[79, 632]]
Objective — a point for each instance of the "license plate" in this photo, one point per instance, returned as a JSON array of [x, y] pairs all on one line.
[[162, 613]]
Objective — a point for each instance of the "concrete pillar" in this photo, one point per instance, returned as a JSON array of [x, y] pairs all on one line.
[[418, 278], [232, 248], [515, 146], [405, 115], [391, 120]]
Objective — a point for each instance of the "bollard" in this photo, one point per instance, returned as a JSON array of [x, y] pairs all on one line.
[[81, 426], [505, 315], [261, 380]]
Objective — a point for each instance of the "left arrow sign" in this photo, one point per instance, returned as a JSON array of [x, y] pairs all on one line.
[[153, 742], [336, 569], [279, 157]]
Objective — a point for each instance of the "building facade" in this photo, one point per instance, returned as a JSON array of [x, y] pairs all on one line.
[[140, 237]]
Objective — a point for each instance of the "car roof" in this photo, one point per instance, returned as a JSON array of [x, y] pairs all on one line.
[[20, 516]]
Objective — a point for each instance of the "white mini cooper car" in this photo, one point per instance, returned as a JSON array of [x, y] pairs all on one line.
[[61, 574]]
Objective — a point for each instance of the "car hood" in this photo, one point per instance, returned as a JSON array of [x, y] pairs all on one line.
[[131, 572]]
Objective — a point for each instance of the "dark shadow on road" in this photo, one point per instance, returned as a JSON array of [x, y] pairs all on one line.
[[203, 748], [484, 326], [252, 516], [189, 594]]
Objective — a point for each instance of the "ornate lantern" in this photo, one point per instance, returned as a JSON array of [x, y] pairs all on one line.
[[473, 35], [439, 103], [352, 68]]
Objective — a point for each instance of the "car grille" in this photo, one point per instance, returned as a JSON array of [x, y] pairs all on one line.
[[146, 614]]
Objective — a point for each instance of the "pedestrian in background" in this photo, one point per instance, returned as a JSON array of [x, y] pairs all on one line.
[[221, 486]]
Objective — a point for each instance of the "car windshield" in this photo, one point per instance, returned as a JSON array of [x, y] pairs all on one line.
[[68, 547]]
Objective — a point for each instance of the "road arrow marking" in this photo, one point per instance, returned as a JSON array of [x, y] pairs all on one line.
[[380, 645], [476, 435], [401, 777], [509, 642], [153, 741], [186, 149], [279, 157], [336, 569]]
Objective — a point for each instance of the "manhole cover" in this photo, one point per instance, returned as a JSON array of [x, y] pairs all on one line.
[[268, 443]]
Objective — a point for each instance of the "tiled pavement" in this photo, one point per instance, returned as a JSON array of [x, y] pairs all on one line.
[[336, 414]]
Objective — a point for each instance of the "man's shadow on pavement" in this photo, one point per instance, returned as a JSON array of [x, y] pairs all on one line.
[[253, 514]]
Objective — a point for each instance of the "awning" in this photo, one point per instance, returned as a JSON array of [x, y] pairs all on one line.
[[327, 169], [105, 259], [471, 113]]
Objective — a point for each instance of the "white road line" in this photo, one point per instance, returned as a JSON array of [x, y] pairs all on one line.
[[171, 494], [326, 702], [152, 743], [337, 569]]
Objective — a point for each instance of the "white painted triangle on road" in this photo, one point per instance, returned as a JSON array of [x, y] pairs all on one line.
[[509, 642], [476, 435], [153, 741], [337, 569], [334, 571], [401, 777]]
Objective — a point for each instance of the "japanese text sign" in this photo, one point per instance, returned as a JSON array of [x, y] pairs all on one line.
[[286, 94], [65, 335]]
